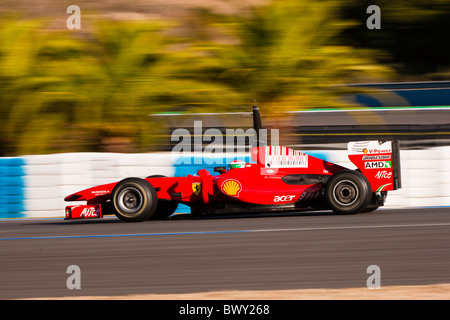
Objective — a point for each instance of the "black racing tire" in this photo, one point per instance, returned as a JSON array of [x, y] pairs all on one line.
[[348, 192], [165, 208], [372, 206], [134, 200]]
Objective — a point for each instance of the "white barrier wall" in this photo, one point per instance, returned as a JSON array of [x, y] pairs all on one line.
[[425, 178], [50, 178], [47, 179]]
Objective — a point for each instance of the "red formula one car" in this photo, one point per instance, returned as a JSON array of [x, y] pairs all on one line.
[[279, 179]]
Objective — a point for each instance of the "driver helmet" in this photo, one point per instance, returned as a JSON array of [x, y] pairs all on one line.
[[236, 164]]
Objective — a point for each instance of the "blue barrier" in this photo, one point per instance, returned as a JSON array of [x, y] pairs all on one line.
[[404, 94], [12, 186], [190, 165]]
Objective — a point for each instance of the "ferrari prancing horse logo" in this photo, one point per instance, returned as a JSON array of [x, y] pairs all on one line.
[[197, 188]]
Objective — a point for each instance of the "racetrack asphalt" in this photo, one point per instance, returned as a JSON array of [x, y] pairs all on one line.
[[254, 252]]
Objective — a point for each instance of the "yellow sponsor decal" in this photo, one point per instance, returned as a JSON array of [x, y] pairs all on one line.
[[231, 187], [197, 188]]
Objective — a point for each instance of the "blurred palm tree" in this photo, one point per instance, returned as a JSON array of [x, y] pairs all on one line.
[[285, 54], [65, 91], [89, 90], [23, 94]]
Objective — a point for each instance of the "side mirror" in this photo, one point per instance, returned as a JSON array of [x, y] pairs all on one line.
[[220, 169]]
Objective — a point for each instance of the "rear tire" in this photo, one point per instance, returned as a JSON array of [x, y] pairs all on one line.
[[134, 200], [348, 192], [373, 205]]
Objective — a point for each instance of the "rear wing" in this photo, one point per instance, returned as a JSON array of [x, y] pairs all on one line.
[[379, 161]]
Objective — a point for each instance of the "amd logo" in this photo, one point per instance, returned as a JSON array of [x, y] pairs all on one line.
[[377, 165]]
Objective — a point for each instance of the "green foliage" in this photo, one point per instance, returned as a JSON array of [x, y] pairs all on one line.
[[285, 55], [68, 91]]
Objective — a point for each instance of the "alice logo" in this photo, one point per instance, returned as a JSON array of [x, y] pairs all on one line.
[[231, 187]]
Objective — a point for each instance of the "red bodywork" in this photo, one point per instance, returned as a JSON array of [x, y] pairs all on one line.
[[279, 179]]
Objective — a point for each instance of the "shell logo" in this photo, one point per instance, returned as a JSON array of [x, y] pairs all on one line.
[[231, 187]]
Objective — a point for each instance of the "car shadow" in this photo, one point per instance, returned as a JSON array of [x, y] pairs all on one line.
[[188, 216], [238, 215]]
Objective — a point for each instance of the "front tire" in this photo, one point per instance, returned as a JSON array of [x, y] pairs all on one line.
[[165, 208], [134, 200], [348, 192]]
